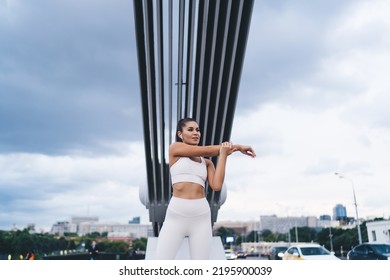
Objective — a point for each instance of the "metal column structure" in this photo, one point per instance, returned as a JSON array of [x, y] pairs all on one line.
[[190, 59]]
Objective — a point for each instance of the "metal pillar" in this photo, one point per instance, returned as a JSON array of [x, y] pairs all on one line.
[[190, 59]]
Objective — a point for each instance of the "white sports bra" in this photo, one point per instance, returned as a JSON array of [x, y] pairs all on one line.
[[187, 170]]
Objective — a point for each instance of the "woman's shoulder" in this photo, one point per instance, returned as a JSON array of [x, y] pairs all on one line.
[[176, 145], [182, 149]]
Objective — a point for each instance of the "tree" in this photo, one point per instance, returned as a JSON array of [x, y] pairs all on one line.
[[305, 234], [227, 232], [140, 244], [252, 236], [113, 246], [268, 236]]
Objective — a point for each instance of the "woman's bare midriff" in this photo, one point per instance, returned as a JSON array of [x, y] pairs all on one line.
[[188, 190]]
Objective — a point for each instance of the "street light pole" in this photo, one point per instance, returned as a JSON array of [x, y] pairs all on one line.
[[356, 210], [330, 239]]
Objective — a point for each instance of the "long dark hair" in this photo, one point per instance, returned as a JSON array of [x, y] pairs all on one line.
[[180, 125]]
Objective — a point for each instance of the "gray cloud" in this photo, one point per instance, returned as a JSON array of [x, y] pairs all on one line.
[[69, 77], [286, 45]]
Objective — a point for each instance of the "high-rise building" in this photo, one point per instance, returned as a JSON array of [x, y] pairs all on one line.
[[340, 213], [325, 218], [135, 220]]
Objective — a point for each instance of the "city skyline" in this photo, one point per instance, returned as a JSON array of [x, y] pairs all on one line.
[[138, 220]]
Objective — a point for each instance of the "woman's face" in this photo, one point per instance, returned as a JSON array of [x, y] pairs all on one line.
[[190, 133]]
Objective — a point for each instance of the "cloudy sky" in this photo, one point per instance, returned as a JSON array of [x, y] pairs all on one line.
[[313, 101]]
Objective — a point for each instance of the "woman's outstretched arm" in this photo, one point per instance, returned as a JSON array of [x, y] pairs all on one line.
[[179, 149]]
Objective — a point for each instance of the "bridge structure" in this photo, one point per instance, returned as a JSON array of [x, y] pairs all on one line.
[[190, 59]]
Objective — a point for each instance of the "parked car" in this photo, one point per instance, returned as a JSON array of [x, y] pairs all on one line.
[[230, 255], [274, 251], [241, 255], [253, 254], [308, 251], [370, 251]]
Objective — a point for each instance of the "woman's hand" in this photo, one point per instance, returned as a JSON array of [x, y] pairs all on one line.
[[246, 150], [226, 149]]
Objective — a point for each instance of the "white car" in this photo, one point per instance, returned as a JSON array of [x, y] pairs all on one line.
[[308, 251], [230, 255]]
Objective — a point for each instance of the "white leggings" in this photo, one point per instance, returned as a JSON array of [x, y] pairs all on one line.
[[186, 217]]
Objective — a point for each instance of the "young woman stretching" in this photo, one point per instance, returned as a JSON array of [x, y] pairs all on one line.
[[188, 213]]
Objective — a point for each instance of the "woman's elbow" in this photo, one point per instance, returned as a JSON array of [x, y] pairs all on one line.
[[216, 186]]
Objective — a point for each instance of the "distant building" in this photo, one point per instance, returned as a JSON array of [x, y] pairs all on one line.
[[135, 220], [124, 237], [378, 231], [87, 225], [84, 219], [273, 223], [340, 213], [240, 228], [284, 224], [61, 228], [325, 218]]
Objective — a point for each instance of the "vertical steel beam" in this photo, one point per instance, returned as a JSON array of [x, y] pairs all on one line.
[[190, 56], [209, 55]]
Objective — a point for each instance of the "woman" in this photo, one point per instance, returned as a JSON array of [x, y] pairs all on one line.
[[188, 213]]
